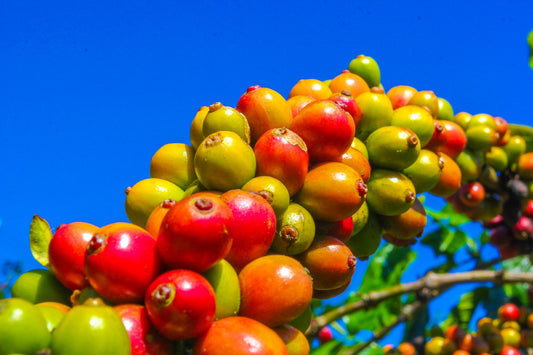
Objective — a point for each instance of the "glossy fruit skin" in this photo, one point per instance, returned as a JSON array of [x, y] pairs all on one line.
[[196, 233], [53, 313], [96, 328], [174, 162], [455, 139], [358, 145], [392, 147], [472, 194], [497, 158], [345, 100], [225, 282], [349, 81], [376, 112], [400, 95], [439, 137], [23, 328], [367, 68], [338, 269], [298, 102], [181, 304], [239, 336], [311, 87], [295, 230], [145, 195], [515, 147], [359, 219], [225, 118], [195, 132], [153, 224], [282, 154], [508, 312], [332, 204], [326, 129], [224, 161], [264, 109], [66, 253], [426, 98], [390, 192], [525, 166], [450, 179], [294, 339], [144, 338], [357, 161], [366, 242], [407, 225], [40, 285], [462, 119], [275, 289], [121, 261], [272, 190], [253, 226], [325, 335], [481, 138], [510, 350], [417, 119], [439, 346], [445, 110], [327, 294], [341, 230], [470, 165], [425, 172]]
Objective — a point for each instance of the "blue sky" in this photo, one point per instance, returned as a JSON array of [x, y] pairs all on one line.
[[90, 91]]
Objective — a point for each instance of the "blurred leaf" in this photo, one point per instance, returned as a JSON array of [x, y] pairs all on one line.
[[40, 235], [452, 241], [463, 311], [485, 237], [386, 268], [327, 349], [472, 247], [448, 214], [517, 291], [372, 349]]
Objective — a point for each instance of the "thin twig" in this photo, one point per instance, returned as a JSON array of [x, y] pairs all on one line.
[[432, 281]]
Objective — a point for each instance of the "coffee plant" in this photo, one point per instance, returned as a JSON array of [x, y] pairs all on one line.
[[246, 239]]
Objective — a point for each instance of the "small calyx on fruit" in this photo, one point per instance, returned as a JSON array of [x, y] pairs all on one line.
[[203, 204], [215, 106], [164, 294], [213, 139], [97, 243], [288, 234]]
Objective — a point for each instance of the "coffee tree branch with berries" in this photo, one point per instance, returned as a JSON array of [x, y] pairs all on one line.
[[246, 239]]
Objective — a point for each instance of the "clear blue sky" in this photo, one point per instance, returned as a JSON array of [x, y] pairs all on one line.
[[89, 91]]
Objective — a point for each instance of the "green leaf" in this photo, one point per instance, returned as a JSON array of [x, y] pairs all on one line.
[[452, 241], [517, 291], [40, 236], [463, 311], [386, 268], [485, 237], [448, 214], [327, 348]]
